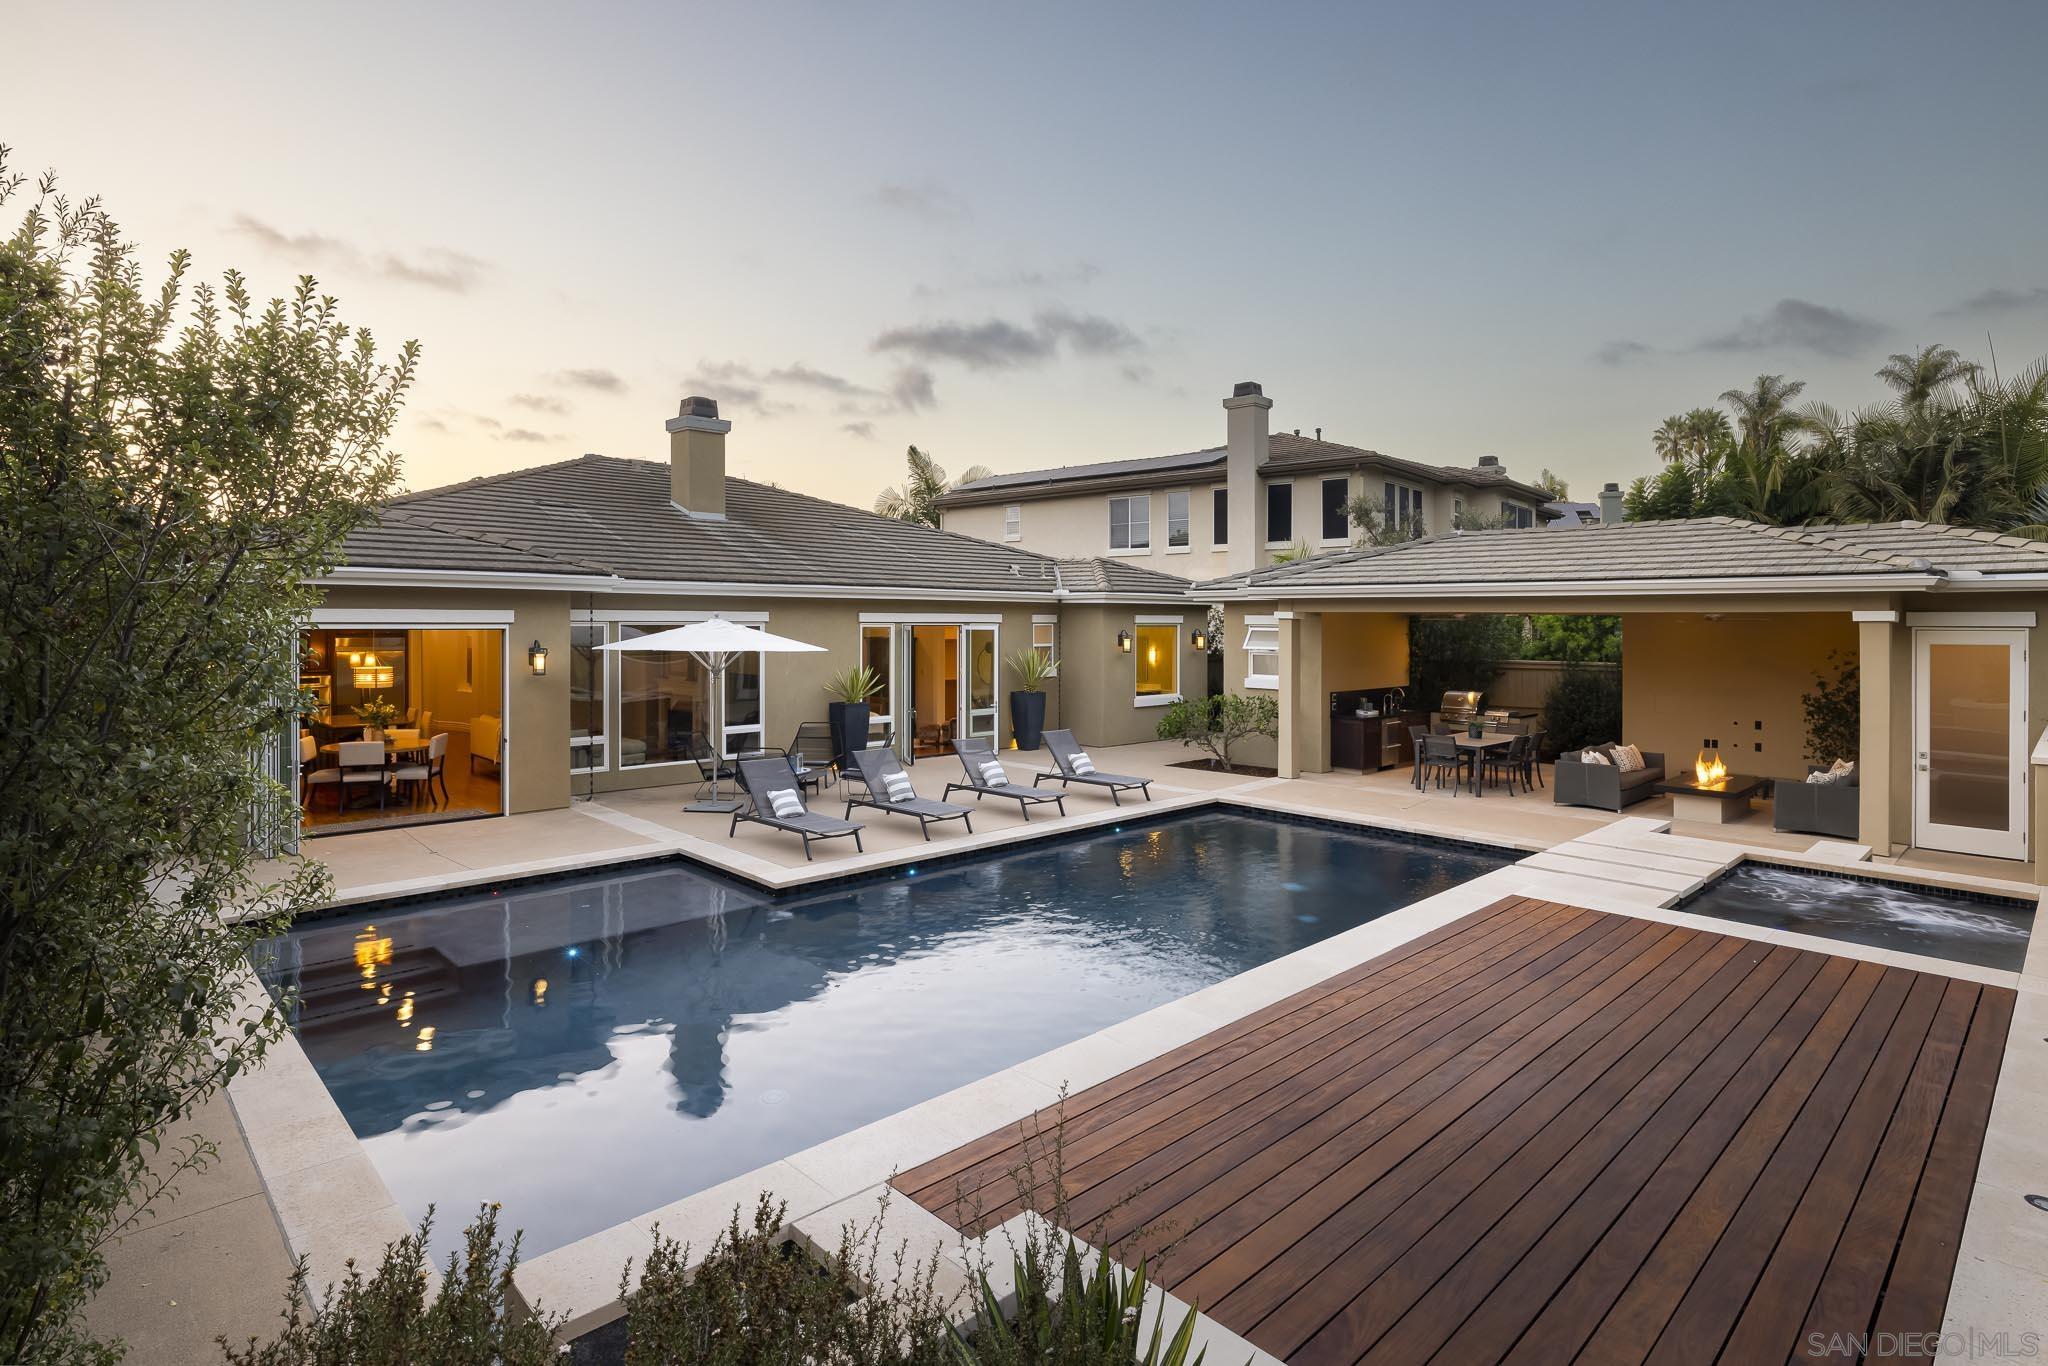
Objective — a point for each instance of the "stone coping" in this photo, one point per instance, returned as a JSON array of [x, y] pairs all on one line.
[[333, 1206]]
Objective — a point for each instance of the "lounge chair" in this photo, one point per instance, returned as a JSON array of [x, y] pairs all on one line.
[[1072, 765], [765, 780], [877, 767], [984, 782]]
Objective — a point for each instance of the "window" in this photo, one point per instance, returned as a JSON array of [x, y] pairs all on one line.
[[1457, 512], [1158, 650], [1130, 522], [1403, 508], [1045, 638], [874, 654], [587, 671], [1279, 514], [1177, 519], [1516, 515], [1336, 525], [1013, 523], [1262, 652], [665, 699], [1220, 533]]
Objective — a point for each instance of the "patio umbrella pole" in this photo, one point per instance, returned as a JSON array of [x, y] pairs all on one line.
[[715, 665]]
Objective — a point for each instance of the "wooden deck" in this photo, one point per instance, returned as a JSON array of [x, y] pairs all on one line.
[[1540, 1134]]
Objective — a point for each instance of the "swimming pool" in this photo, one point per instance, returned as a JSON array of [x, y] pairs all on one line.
[[1990, 932], [585, 1051]]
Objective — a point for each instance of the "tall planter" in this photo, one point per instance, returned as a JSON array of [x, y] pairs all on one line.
[[849, 722], [1027, 718]]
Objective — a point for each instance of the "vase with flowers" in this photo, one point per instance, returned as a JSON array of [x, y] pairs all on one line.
[[376, 715]]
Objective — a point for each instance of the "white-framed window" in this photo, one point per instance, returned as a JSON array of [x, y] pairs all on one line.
[[1130, 522], [589, 691], [1457, 513], [1516, 515], [1157, 648], [1336, 517], [665, 700], [1279, 514], [1177, 519], [1262, 652], [1013, 523], [1403, 506], [1045, 638]]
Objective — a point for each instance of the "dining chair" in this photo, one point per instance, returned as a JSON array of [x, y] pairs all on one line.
[[312, 776], [1441, 756], [423, 773], [362, 762], [1507, 762]]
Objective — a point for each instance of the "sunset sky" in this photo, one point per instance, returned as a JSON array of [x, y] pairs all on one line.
[[1040, 234]]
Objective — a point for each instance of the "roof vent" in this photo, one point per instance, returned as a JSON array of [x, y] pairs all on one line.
[[1246, 388]]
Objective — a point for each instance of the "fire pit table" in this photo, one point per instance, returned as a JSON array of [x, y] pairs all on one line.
[[1714, 801]]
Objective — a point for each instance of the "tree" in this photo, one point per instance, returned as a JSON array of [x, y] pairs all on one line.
[[1919, 376], [175, 467], [1574, 639], [1459, 652], [1697, 440], [1763, 412], [1371, 525], [1217, 723], [1554, 485], [916, 499]]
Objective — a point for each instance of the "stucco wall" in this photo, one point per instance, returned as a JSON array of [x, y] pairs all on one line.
[[1687, 680], [1098, 682]]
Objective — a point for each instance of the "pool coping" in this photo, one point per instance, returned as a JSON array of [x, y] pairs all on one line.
[[334, 1207]]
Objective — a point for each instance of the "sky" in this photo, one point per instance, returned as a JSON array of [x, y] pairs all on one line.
[[1033, 235]]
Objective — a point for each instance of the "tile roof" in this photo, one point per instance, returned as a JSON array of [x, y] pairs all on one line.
[[1108, 575], [598, 515], [1707, 548], [1289, 453]]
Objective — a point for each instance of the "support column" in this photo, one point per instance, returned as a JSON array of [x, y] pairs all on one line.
[[1304, 704], [1883, 765]]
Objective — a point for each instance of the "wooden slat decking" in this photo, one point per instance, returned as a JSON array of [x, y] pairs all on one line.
[[1539, 1134]]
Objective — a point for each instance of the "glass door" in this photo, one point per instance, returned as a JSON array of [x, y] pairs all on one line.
[[978, 681], [1969, 741]]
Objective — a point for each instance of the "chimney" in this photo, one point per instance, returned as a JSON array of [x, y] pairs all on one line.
[[1610, 504], [1490, 464], [1249, 446], [696, 458]]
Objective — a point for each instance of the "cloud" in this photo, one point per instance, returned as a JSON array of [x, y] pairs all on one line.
[[805, 377], [1795, 324], [2001, 300], [432, 424], [442, 268], [527, 435], [540, 403], [913, 389], [1074, 276], [601, 381], [1135, 374], [998, 344], [1623, 352], [926, 199], [864, 430]]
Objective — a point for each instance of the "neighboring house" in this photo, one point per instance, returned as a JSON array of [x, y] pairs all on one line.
[[1565, 514], [1725, 626], [1231, 507], [487, 602]]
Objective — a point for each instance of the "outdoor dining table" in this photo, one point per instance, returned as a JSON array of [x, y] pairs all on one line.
[[1478, 748]]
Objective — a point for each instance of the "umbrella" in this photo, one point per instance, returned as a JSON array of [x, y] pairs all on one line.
[[714, 644]]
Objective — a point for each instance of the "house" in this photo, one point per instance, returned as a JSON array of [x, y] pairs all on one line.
[[1232, 507], [1725, 626], [486, 603]]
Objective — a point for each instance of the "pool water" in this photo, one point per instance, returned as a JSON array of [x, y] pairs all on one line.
[[1886, 915], [586, 1051]]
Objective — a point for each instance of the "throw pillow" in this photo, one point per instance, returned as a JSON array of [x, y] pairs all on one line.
[[1594, 756], [899, 787], [785, 803], [1081, 763], [1842, 768], [1628, 758], [992, 774]]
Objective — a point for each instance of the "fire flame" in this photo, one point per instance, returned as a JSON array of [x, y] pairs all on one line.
[[1709, 768]]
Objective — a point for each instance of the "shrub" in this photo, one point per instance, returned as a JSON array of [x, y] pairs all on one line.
[[1834, 712], [385, 1317], [1217, 723], [1584, 708]]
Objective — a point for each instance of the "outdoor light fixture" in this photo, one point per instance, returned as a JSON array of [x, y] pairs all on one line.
[[1199, 639], [537, 658], [1123, 641]]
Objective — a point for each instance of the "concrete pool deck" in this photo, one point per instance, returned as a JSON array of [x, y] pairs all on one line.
[[328, 1204]]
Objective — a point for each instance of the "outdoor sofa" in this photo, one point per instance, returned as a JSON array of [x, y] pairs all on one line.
[[1072, 765], [877, 767], [1574, 782], [1817, 808], [766, 781]]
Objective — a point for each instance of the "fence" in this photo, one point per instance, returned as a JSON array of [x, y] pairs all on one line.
[[1527, 682]]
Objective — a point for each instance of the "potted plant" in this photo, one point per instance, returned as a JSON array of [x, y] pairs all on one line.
[[848, 714], [1027, 702], [376, 716]]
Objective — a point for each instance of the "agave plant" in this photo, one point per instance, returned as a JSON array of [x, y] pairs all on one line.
[[1032, 667], [1097, 1317], [856, 684]]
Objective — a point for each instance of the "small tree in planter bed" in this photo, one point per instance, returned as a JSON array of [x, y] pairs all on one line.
[[1217, 723], [1027, 701]]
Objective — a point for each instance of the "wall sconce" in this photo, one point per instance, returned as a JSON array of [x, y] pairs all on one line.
[[1123, 641], [1198, 639], [537, 658]]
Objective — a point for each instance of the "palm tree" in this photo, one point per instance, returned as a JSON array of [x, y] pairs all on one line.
[[1763, 411], [1919, 377], [917, 499], [1698, 440]]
